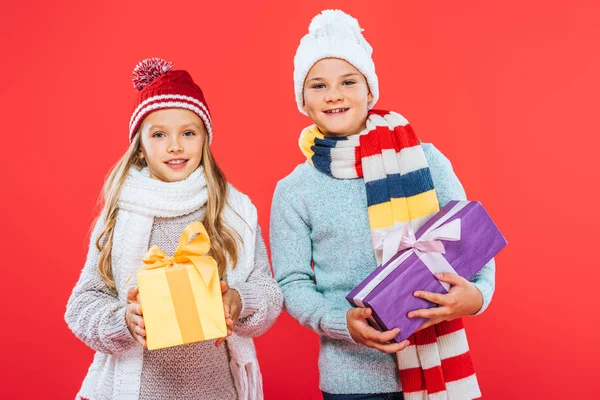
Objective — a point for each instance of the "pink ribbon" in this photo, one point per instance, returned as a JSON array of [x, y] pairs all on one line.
[[394, 241], [428, 248], [408, 241]]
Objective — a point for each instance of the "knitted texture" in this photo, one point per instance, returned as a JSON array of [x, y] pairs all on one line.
[[389, 158], [201, 370], [95, 313], [400, 191], [192, 371], [161, 88], [154, 198], [334, 34], [320, 221]]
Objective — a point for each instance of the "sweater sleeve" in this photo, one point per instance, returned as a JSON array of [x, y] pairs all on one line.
[[94, 313], [261, 297], [291, 249], [448, 187]]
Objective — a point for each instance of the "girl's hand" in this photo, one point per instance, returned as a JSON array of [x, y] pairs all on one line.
[[232, 303], [133, 317], [462, 299], [363, 333]]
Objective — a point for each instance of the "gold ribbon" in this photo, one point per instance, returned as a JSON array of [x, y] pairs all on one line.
[[188, 253]]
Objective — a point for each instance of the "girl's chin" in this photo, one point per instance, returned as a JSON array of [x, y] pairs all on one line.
[[172, 176]]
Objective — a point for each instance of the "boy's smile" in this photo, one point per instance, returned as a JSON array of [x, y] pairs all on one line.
[[336, 111], [336, 97]]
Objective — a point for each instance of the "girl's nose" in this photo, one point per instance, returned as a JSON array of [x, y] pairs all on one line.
[[175, 146]]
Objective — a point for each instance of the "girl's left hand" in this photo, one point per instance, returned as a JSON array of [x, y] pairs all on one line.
[[232, 303], [462, 299]]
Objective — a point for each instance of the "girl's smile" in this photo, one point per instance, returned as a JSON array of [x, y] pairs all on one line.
[[172, 140], [177, 163]]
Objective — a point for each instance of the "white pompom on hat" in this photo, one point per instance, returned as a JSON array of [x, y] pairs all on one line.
[[334, 34]]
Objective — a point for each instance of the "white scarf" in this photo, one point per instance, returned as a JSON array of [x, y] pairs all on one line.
[[142, 199], [153, 198]]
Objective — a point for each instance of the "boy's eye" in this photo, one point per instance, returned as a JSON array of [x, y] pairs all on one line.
[[158, 134], [349, 82], [189, 133], [318, 86]]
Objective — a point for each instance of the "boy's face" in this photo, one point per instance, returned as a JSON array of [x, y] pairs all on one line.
[[336, 97], [172, 142]]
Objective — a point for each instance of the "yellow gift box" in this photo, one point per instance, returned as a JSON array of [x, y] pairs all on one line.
[[181, 295]]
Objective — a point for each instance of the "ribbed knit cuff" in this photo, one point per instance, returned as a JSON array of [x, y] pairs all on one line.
[[486, 302], [250, 299], [335, 324], [117, 330]]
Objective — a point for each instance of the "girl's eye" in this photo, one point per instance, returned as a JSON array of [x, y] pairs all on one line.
[[318, 86], [158, 134], [349, 82], [189, 133]]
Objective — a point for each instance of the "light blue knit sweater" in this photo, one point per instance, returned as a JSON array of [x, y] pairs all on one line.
[[318, 218]]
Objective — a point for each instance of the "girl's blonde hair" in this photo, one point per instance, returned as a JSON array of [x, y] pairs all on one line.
[[222, 236]]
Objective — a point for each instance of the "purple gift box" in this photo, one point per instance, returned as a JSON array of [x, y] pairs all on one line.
[[388, 290]]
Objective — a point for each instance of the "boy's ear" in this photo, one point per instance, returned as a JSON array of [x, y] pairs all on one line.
[[304, 106], [370, 97]]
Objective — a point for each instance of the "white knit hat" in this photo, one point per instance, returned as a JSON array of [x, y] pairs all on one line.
[[334, 34]]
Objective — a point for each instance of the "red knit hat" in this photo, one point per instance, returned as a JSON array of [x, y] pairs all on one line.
[[160, 87]]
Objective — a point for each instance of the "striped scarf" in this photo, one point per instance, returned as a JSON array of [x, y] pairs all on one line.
[[400, 191]]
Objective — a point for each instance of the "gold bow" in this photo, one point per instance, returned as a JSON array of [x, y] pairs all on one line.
[[187, 252], [178, 272]]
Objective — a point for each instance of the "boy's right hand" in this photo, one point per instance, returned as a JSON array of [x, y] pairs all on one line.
[[363, 333], [133, 317]]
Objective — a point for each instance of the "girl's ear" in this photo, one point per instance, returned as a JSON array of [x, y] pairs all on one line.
[[370, 97]]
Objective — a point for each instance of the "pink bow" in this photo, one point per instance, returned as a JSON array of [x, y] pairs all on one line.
[[392, 242], [408, 241]]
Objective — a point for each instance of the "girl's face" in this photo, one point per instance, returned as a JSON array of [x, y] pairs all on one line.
[[172, 141], [336, 97]]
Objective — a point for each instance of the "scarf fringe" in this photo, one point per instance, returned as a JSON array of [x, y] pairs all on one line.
[[247, 379]]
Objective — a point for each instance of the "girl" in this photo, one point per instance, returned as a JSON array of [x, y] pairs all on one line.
[[365, 171], [167, 179]]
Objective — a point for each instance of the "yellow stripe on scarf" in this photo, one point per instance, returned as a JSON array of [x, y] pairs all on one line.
[[307, 141], [397, 210]]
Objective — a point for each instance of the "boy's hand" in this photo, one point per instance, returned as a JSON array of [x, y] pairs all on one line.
[[463, 299], [363, 333]]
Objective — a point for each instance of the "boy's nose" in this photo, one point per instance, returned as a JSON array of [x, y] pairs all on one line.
[[333, 95]]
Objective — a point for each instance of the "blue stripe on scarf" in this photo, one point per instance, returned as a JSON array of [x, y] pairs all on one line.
[[322, 153], [399, 186]]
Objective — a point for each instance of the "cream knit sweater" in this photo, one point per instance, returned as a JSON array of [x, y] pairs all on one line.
[[152, 212]]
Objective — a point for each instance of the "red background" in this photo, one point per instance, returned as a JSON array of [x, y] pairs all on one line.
[[508, 91]]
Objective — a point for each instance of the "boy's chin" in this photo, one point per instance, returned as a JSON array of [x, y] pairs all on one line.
[[339, 131]]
